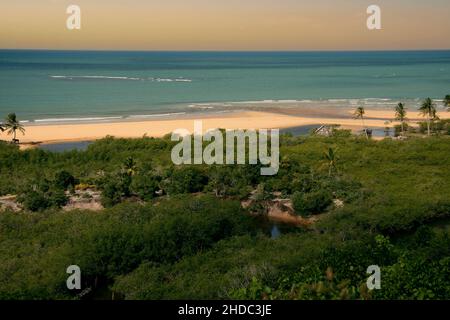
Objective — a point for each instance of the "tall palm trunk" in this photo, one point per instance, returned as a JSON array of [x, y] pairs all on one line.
[[428, 125], [365, 128]]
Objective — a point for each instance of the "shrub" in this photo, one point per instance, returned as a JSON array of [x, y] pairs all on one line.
[[114, 188], [57, 198], [35, 199], [306, 204], [64, 180], [186, 180], [144, 185], [227, 181]]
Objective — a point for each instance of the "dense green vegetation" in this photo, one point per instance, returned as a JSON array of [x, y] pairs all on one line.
[[180, 232]]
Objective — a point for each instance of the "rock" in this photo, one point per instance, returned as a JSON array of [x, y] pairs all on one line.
[[338, 203], [84, 200], [9, 202]]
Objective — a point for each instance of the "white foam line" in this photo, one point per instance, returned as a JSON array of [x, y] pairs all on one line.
[[95, 77], [122, 78], [76, 119], [155, 115]]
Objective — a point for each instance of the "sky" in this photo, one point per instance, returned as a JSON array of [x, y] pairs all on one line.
[[225, 25]]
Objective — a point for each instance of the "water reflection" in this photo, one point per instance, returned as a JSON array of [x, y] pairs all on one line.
[[275, 232], [273, 229]]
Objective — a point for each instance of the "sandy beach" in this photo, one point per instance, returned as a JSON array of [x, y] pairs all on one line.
[[56, 133]]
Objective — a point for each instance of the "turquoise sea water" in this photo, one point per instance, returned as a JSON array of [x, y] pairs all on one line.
[[52, 86]]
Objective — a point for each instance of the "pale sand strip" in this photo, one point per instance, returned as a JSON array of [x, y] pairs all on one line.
[[158, 128]]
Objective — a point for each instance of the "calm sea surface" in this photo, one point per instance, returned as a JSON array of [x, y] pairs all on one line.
[[65, 86]]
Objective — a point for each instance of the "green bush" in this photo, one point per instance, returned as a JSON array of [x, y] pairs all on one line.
[[186, 180], [65, 180], [34, 200], [229, 181], [306, 204], [144, 185], [41, 195]]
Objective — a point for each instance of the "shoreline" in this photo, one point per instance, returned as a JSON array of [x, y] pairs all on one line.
[[279, 118], [305, 107]]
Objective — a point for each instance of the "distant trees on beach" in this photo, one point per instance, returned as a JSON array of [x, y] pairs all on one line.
[[11, 126], [428, 110], [359, 114], [400, 115], [447, 102]]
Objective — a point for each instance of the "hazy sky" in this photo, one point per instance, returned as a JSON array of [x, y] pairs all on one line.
[[225, 24]]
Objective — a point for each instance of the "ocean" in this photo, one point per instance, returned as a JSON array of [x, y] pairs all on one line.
[[69, 86]]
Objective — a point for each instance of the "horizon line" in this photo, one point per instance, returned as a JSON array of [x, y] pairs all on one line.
[[231, 51]]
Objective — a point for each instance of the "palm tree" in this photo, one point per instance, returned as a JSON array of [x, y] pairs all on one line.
[[447, 102], [12, 125], [428, 109], [129, 166], [331, 159], [359, 114], [435, 118], [400, 114]]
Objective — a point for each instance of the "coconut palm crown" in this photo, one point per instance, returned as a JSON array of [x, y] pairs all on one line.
[[447, 102], [359, 114], [12, 125], [400, 114], [428, 109], [331, 159]]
